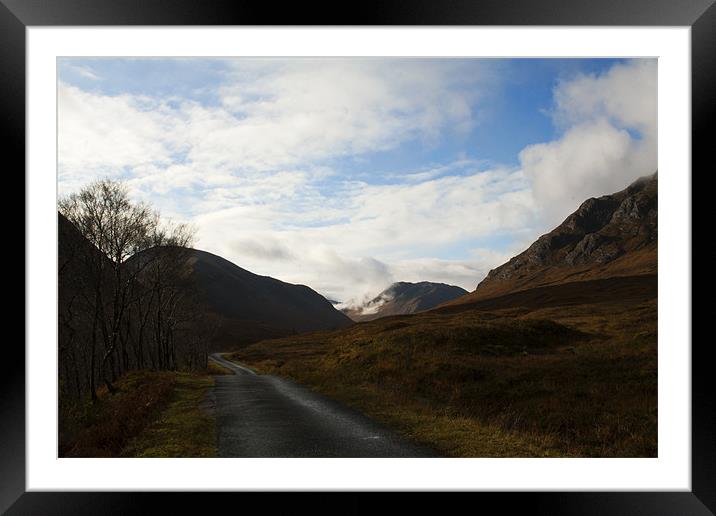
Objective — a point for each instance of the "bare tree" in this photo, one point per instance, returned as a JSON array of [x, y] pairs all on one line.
[[118, 228], [163, 273], [127, 300]]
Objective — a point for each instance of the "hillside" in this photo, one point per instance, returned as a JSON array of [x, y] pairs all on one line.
[[236, 293], [610, 236], [405, 298], [250, 307]]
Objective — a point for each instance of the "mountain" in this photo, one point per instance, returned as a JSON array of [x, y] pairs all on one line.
[[261, 304], [248, 307], [610, 236], [75, 257], [72, 250], [405, 298]]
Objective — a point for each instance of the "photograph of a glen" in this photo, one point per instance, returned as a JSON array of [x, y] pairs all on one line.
[[357, 257]]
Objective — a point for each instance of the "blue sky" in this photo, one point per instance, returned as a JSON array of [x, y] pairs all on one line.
[[348, 174]]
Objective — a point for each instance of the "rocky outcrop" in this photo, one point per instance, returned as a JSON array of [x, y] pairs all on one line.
[[604, 235]]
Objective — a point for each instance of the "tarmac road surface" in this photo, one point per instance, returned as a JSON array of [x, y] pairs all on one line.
[[267, 416]]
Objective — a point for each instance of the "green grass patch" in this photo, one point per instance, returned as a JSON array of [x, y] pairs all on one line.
[[185, 428]]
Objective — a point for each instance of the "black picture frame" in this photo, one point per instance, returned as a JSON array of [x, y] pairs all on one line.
[[16, 15]]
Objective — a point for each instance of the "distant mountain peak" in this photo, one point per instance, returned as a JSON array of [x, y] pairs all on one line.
[[404, 297]]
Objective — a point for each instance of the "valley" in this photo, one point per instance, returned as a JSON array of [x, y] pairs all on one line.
[[554, 354], [576, 377]]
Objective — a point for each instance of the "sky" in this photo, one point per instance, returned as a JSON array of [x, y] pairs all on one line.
[[347, 175]]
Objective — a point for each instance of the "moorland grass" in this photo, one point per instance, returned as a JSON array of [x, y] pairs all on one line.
[[102, 429], [576, 381]]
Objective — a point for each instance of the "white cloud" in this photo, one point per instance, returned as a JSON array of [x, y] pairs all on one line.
[[104, 135], [626, 93], [85, 72], [274, 117], [396, 219], [278, 113], [453, 272], [599, 152], [368, 236]]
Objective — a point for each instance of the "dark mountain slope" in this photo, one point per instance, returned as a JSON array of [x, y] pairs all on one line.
[[249, 307], [238, 294]]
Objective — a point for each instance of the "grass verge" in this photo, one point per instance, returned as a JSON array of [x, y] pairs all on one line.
[[185, 428], [217, 369], [152, 414]]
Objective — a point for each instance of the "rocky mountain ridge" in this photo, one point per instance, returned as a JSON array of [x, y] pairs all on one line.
[[611, 235]]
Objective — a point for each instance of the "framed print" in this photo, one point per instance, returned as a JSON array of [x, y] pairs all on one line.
[[415, 249]]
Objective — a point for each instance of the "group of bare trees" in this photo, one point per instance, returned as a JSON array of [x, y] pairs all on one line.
[[126, 299]]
